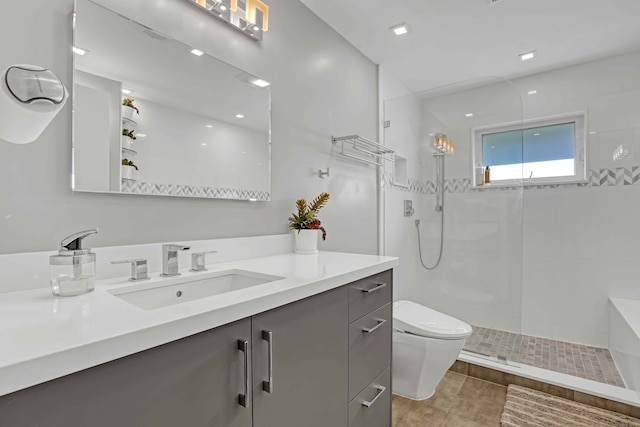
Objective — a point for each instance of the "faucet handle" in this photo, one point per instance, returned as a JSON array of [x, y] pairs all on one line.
[[197, 260], [138, 268]]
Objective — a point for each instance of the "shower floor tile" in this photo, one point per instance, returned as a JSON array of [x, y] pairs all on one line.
[[593, 363]]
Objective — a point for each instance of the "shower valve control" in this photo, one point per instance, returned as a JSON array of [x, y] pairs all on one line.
[[408, 208]]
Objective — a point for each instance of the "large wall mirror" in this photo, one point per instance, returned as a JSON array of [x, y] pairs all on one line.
[[200, 127]]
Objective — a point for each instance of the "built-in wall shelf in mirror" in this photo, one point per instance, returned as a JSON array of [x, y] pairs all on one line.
[[201, 126], [127, 121]]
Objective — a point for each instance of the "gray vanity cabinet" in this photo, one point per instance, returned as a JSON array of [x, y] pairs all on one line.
[[195, 381], [323, 361], [301, 362]]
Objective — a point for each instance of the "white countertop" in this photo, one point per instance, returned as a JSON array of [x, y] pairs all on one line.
[[43, 337]]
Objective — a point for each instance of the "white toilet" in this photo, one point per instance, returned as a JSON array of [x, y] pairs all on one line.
[[425, 345]]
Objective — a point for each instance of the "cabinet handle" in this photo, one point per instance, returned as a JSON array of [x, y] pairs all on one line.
[[268, 385], [243, 346], [377, 288], [380, 323], [381, 390]]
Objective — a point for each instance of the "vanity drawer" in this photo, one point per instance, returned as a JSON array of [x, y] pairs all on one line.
[[372, 407], [369, 348], [368, 294]]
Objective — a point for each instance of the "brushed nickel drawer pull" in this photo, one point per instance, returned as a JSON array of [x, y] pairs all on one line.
[[379, 285], [381, 389], [243, 346], [380, 323], [268, 385]]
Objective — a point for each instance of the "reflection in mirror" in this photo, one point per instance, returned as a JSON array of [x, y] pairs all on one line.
[[191, 126]]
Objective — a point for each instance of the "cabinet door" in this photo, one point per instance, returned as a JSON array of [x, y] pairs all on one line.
[[195, 381], [306, 345]]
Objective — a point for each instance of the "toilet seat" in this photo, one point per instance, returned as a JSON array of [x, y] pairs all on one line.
[[423, 321]]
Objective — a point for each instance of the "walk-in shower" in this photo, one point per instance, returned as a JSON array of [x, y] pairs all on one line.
[[517, 259]]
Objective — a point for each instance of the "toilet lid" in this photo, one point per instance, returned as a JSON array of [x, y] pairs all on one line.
[[423, 321]]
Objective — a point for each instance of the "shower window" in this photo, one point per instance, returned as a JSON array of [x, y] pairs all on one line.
[[550, 150]]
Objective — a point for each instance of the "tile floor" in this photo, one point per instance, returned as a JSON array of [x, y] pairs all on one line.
[[593, 363], [459, 401]]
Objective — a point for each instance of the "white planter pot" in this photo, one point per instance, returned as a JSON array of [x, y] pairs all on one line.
[[127, 112], [306, 241], [128, 172], [127, 142]]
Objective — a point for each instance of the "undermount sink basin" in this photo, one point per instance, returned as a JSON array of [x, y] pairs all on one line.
[[180, 289]]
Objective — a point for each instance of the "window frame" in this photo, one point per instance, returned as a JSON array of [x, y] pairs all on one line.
[[579, 118]]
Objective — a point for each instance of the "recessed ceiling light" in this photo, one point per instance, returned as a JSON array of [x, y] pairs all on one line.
[[260, 83], [469, 115], [532, 92], [141, 135], [256, 28], [197, 52], [240, 116], [400, 29], [79, 51], [127, 91], [208, 126], [536, 134], [223, 7], [244, 152], [204, 144], [528, 55]]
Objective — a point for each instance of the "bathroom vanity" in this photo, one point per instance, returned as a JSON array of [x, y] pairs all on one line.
[[311, 349]]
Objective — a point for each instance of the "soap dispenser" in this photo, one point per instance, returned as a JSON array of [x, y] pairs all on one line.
[[73, 270]]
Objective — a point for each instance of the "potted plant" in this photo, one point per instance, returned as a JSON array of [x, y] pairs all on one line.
[[128, 169], [128, 108], [127, 138], [307, 226]]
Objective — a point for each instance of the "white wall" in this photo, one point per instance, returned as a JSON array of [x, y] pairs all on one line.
[[233, 157], [97, 132], [539, 261], [321, 86]]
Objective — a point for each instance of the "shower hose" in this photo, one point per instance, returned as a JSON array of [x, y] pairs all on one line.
[[440, 209]]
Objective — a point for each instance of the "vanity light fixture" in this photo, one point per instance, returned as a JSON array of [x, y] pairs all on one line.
[[528, 55], [197, 52], [532, 92], [400, 29], [253, 200], [141, 135], [239, 116], [249, 16], [79, 51], [260, 83], [469, 115]]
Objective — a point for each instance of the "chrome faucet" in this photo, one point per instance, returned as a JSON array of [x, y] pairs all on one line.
[[170, 258]]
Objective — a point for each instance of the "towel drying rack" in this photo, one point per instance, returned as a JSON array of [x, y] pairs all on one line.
[[363, 145]]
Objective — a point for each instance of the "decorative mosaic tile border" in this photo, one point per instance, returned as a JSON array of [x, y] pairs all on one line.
[[597, 178], [138, 187]]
